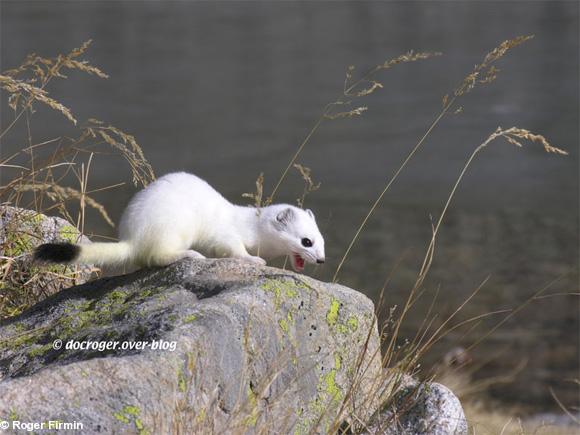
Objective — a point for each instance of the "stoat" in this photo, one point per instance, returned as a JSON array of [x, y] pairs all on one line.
[[180, 215]]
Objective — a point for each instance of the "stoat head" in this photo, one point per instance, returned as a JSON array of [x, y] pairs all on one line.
[[298, 232]]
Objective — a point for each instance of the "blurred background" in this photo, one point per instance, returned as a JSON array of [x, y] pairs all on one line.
[[228, 91]]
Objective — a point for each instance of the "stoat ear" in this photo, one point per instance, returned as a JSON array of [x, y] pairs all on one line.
[[311, 214], [285, 217]]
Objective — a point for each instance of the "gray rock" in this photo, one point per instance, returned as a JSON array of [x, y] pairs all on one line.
[[25, 283], [257, 350], [420, 409], [255, 347]]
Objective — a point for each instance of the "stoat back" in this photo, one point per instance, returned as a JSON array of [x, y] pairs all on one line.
[[168, 216]]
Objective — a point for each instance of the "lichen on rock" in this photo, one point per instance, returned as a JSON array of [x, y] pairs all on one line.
[[256, 348], [26, 283]]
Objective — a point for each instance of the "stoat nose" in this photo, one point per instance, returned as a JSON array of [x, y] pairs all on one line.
[[320, 261]]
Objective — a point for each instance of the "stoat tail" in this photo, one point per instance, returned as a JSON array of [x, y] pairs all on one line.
[[98, 254]]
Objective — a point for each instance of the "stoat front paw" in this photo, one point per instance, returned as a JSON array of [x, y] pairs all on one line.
[[193, 254], [256, 260]]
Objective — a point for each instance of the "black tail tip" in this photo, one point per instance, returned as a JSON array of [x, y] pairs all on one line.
[[56, 252]]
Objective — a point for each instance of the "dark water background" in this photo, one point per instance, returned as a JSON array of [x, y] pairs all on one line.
[[229, 90]]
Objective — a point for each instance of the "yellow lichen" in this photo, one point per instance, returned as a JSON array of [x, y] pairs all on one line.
[[337, 361], [68, 233], [331, 387], [119, 416], [200, 417], [181, 380], [283, 325], [352, 322], [129, 413], [131, 410], [189, 319], [281, 287], [332, 313], [252, 418]]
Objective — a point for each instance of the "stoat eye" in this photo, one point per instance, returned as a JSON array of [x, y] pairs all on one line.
[[306, 242]]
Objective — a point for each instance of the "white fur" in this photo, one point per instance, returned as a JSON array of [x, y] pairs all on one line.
[[180, 215]]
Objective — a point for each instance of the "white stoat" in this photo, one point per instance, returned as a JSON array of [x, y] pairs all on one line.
[[180, 215]]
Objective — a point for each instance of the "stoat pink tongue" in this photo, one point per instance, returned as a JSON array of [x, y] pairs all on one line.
[[298, 262]]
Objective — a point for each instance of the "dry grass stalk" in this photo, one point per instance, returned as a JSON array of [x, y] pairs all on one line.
[[492, 419], [17, 89], [486, 72], [258, 194], [427, 261], [468, 83], [563, 407], [60, 195], [367, 85], [125, 143], [43, 171], [310, 186], [406, 358], [26, 83], [352, 90], [509, 135], [358, 111]]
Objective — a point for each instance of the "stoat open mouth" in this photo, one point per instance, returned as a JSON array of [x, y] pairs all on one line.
[[297, 262]]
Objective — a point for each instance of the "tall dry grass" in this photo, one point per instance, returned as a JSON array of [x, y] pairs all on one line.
[[43, 169], [51, 175], [405, 359]]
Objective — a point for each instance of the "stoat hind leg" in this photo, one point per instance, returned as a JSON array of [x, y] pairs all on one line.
[[166, 249], [161, 247]]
